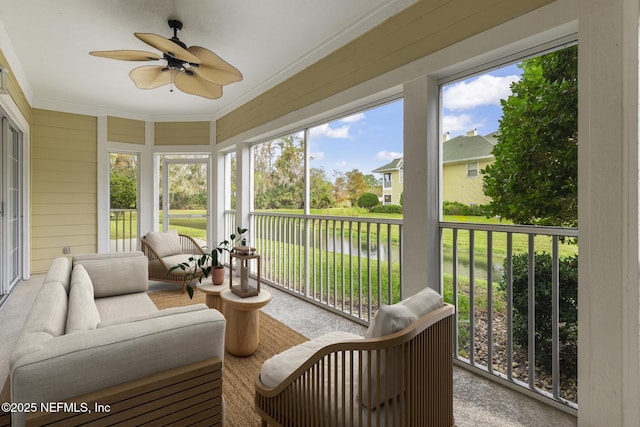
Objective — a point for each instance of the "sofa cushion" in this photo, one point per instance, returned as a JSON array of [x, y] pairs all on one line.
[[388, 320], [82, 314], [46, 320], [115, 274], [165, 244], [152, 315], [60, 271], [279, 367], [124, 305]]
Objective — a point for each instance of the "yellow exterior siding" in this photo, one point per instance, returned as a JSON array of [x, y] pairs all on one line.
[[125, 130], [456, 187], [15, 91], [419, 30], [182, 133], [395, 191], [63, 186]]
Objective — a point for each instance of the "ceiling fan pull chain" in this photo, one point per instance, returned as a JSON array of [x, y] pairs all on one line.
[[171, 87]]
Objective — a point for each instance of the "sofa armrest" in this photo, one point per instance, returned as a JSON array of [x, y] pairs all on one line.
[[82, 362]]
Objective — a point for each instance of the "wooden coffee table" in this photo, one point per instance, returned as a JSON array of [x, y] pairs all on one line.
[[243, 322]]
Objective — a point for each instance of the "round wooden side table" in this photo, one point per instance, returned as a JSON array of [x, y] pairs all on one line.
[[243, 328], [213, 299]]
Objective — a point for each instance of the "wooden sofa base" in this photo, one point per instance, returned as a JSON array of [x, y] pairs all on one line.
[[187, 395]]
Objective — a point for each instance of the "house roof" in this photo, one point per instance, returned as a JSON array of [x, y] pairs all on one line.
[[464, 148], [394, 165], [458, 149]]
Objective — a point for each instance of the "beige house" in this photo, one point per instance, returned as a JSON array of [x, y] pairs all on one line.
[[62, 158], [392, 181], [463, 159]]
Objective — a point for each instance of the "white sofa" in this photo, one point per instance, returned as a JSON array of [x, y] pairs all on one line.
[[93, 331]]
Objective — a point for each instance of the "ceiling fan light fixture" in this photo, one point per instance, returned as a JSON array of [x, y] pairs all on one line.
[[194, 70]]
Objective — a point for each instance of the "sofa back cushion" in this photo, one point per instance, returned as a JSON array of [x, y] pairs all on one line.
[[165, 244], [390, 319], [47, 319], [82, 314], [115, 274], [59, 271]]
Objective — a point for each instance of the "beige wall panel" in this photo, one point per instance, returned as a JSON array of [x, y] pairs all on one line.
[[63, 193], [71, 136], [15, 91], [66, 209], [182, 133], [125, 130], [421, 29], [63, 220], [65, 176], [71, 122]]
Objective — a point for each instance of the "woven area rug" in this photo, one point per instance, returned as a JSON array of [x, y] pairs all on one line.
[[239, 372]]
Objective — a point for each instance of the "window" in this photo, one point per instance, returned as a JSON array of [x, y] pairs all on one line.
[[387, 180], [387, 199], [472, 169]]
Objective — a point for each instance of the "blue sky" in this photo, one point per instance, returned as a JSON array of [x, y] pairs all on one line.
[[372, 138]]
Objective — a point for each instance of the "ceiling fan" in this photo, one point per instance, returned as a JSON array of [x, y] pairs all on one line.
[[194, 70]]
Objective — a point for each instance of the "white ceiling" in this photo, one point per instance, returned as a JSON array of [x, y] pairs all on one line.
[[47, 43]]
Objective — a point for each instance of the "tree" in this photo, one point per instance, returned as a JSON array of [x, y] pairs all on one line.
[[356, 185], [122, 181], [368, 201], [122, 189], [534, 179], [321, 189], [279, 174], [339, 187]]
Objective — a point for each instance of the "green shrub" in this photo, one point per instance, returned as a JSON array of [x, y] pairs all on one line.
[[457, 208], [394, 209], [368, 201], [568, 347]]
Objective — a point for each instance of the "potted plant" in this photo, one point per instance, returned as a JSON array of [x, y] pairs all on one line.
[[209, 263]]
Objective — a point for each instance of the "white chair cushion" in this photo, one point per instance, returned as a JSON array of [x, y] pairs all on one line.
[[279, 367], [165, 244], [388, 320]]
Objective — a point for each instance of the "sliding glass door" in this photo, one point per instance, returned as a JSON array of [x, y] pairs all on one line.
[[11, 193]]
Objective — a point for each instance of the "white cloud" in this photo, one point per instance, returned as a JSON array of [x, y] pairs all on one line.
[[460, 123], [326, 130], [484, 90], [388, 155], [353, 118], [341, 164]]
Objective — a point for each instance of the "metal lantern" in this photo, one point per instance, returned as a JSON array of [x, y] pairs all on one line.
[[239, 283]]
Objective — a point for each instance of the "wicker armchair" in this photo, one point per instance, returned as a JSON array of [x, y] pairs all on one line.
[[165, 250], [401, 379]]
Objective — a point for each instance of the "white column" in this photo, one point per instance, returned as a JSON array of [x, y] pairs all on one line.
[[421, 242], [219, 186], [608, 296], [103, 205], [243, 188], [147, 215]]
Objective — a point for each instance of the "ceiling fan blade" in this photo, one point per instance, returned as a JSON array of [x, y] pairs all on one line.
[[126, 55], [168, 47], [196, 85], [150, 76], [213, 68]]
